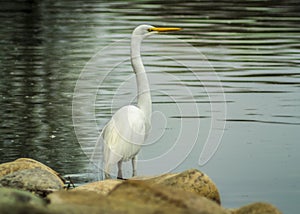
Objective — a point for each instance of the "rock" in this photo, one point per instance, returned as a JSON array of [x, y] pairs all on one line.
[[31, 175], [81, 201], [15, 196], [100, 187], [257, 208], [132, 197], [25, 163], [75, 202], [23, 209], [36, 180], [192, 181], [157, 178], [77, 209], [75, 197], [15, 201], [172, 200], [168, 193], [188, 192]]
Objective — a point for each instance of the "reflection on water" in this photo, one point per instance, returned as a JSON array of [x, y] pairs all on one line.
[[252, 46]]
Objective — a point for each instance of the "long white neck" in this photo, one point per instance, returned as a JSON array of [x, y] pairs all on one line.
[[143, 90]]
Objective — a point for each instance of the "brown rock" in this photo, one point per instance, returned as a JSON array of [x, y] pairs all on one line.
[[257, 208], [192, 181], [75, 197], [159, 196], [81, 201], [100, 187], [132, 197], [75, 202]]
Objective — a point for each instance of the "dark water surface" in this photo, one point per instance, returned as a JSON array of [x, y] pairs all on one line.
[[235, 63]]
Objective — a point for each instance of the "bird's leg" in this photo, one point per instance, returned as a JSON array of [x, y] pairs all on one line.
[[107, 175], [120, 170], [106, 171], [133, 160]]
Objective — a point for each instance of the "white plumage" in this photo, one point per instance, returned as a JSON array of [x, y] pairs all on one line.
[[128, 128]]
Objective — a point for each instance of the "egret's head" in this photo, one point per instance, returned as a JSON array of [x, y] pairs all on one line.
[[147, 30]]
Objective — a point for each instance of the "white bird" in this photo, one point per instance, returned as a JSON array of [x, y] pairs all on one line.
[[127, 130]]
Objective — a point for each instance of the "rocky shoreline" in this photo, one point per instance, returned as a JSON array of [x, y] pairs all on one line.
[[28, 186]]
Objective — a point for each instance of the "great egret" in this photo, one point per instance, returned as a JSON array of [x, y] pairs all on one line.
[[127, 130]]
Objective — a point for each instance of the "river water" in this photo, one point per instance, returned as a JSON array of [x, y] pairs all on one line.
[[225, 89]]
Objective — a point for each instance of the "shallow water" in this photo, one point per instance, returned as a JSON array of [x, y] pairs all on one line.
[[229, 80]]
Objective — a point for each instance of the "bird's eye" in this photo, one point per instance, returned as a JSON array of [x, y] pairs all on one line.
[[150, 29]]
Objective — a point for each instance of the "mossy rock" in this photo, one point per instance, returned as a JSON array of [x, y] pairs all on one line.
[[15, 201], [35, 180], [26, 163]]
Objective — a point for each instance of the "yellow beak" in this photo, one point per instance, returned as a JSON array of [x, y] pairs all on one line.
[[164, 29]]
